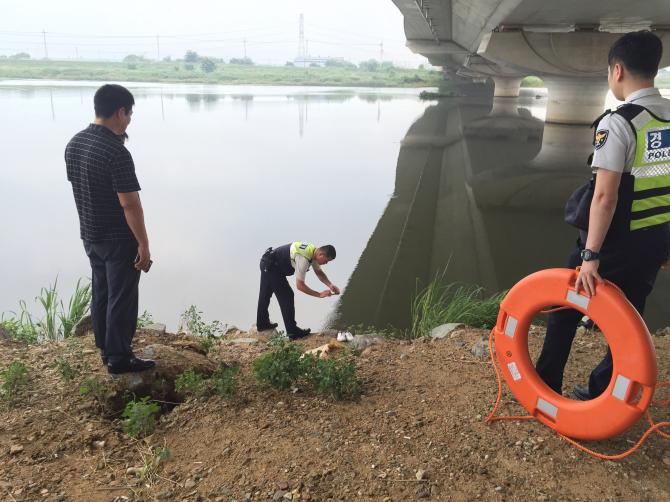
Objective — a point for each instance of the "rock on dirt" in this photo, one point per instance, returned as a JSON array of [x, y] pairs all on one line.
[[84, 326], [445, 329], [159, 381]]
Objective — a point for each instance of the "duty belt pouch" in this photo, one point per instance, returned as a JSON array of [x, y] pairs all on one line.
[[267, 260], [578, 206]]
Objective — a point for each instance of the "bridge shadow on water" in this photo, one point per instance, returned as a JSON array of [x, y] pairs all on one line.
[[480, 189]]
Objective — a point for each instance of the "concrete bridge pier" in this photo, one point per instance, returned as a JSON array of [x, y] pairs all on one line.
[[575, 100], [507, 87]]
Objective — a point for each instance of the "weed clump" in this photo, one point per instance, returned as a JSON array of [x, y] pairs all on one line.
[[93, 387], [140, 418], [439, 303], [224, 383], [281, 368], [65, 369], [334, 377], [191, 383], [13, 378]]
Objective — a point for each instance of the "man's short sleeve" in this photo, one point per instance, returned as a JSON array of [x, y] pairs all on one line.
[[301, 267], [612, 143], [123, 173]]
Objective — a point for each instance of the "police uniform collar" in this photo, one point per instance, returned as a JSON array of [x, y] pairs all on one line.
[[642, 93]]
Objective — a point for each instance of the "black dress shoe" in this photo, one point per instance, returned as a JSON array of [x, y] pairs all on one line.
[[267, 327], [298, 333], [131, 365], [581, 393]]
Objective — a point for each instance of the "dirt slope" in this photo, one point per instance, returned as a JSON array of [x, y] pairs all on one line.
[[422, 410]]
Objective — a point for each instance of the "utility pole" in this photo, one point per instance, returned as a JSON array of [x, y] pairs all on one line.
[[76, 52], [158, 48], [381, 51], [245, 48], [44, 37], [302, 51]]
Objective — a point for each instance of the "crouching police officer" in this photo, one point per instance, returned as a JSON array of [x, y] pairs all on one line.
[[276, 265], [626, 236]]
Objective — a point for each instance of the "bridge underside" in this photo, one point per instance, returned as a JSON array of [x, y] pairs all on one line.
[[564, 43]]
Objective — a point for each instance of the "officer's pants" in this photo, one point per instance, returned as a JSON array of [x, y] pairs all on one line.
[[633, 266], [115, 288], [275, 282]]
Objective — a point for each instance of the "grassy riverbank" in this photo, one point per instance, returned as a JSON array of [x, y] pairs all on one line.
[[219, 73]]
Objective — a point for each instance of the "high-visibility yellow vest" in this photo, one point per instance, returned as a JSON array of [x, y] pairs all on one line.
[[303, 249], [651, 170]]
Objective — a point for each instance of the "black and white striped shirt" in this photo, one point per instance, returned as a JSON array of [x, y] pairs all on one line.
[[99, 167]]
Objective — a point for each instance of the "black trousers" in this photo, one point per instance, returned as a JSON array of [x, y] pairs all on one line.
[[632, 264], [115, 288], [274, 281]]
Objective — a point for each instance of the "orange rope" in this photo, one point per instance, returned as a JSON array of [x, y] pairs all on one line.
[[654, 427], [555, 309]]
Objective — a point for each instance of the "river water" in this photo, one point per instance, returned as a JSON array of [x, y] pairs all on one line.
[[402, 187]]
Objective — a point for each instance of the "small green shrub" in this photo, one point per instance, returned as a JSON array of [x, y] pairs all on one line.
[[192, 320], [65, 369], [335, 377], [281, 367], [140, 418], [91, 386], [225, 381], [14, 378], [20, 329], [191, 383], [144, 319]]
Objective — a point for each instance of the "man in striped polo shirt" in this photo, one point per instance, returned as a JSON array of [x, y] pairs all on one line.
[[111, 223]]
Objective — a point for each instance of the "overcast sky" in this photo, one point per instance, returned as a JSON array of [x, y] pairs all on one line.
[[352, 29]]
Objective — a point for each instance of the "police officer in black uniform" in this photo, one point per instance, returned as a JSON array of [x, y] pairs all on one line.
[[626, 237], [276, 265]]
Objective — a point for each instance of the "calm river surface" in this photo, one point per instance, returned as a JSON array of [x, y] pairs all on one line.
[[400, 186]]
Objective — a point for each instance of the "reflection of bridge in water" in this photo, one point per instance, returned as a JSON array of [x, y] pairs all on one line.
[[480, 186]]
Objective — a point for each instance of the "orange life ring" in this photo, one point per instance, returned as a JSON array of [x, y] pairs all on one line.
[[634, 359]]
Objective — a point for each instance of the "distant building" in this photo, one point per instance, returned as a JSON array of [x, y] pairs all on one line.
[[311, 60]]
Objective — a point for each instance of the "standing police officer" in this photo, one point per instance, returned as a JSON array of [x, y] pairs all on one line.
[[628, 236], [284, 261]]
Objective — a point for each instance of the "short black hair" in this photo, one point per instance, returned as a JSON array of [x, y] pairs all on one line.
[[639, 51], [329, 250], [109, 98]]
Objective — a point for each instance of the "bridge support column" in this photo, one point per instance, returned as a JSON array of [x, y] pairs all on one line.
[[507, 87], [575, 100]]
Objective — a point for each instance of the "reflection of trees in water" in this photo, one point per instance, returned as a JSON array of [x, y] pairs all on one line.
[[242, 97], [193, 100], [338, 97], [373, 98]]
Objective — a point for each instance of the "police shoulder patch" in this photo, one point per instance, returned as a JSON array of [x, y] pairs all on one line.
[[601, 138]]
